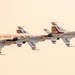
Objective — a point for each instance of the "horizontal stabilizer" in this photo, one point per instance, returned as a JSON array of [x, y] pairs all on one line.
[[66, 41], [47, 31]]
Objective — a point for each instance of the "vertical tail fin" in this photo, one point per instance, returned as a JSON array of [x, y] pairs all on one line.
[[56, 29], [21, 30]]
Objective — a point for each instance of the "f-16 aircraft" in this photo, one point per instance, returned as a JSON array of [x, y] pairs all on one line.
[[21, 38], [58, 32]]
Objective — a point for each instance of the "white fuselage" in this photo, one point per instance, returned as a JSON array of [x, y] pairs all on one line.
[[22, 37], [64, 35]]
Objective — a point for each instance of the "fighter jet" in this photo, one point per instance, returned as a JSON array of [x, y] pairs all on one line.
[[31, 39], [58, 32], [21, 38]]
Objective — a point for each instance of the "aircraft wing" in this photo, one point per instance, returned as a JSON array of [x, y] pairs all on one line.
[[2, 44], [33, 43], [66, 41]]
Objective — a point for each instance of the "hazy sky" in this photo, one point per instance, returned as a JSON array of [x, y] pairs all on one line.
[[36, 15]]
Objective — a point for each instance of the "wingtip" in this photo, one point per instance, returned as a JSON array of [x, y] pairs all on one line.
[[20, 26], [45, 29], [54, 23]]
